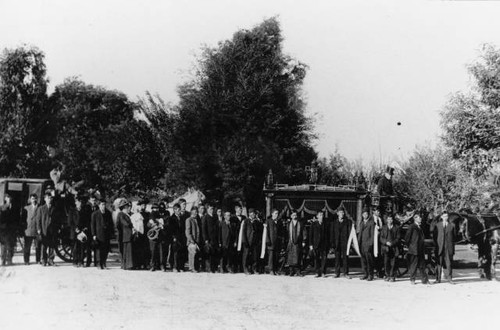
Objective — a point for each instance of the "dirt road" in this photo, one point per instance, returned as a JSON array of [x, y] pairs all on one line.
[[88, 298]]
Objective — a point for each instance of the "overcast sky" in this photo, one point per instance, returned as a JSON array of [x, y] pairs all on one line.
[[372, 64]]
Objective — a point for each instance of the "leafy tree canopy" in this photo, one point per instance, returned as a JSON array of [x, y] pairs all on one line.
[[243, 114]]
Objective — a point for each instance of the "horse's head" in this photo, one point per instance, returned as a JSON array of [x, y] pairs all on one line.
[[461, 223]]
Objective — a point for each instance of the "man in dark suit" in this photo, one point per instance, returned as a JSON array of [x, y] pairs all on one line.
[[274, 241], [176, 239], [445, 240], [184, 215], [257, 262], [366, 243], [237, 221], [9, 222], [46, 222], [247, 241], [389, 240], [416, 250], [102, 231], [193, 237], [30, 234], [227, 242], [210, 231], [79, 220], [319, 243], [341, 229]]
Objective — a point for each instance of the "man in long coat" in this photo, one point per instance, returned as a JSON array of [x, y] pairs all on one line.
[[297, 235], [30, 234], [227, 243], [258, 227], [341, 229], [445, 239], [319, 243], [247, 242], [9, 223], [274, 241], [366, 240], [416, 250], [102, 231], [47, 226], [210, 231], [176, 237]]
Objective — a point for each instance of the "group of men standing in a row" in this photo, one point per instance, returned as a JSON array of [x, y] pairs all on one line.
[[212, 240], [89, 224]]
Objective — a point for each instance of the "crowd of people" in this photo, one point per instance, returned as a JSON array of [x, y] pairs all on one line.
[[210, 239]]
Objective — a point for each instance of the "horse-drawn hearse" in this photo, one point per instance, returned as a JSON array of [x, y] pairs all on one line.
[[482, 230]]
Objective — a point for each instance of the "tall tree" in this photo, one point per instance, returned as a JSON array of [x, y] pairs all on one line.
[[23, 112], [100, 141], [243, 114], [471, 120]]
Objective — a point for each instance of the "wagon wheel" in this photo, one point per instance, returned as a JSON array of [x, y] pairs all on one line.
[[64, 248]]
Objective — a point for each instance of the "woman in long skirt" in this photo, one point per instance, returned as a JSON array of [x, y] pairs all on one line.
[[125, 234]]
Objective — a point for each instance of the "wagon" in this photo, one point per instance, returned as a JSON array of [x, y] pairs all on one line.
[[20, 189]]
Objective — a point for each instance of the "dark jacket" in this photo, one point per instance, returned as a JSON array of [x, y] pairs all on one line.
[[247, 240], [125, 226], [258, 228], [445, 238], [46, 221], [211, 229], [79, 220], [365, 236], [102, 226], [174, 230], [227, 235], [274, 238], [393, 236], [319, 235], [415, 240], [340, 233]]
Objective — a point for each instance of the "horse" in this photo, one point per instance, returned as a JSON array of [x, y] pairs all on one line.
[[482, 230], [193, 197]]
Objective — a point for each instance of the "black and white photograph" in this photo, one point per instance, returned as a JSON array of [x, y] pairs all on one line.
[[237, 164]]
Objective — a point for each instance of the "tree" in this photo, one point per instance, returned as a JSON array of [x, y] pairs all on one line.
[[471, 120], [23, 112], [243, 114], [433, 179], [100, 141]]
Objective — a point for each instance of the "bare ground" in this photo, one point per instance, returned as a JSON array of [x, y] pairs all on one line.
[[87, 298]]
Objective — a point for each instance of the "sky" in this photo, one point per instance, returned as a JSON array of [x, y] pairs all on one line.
[[371, 63]]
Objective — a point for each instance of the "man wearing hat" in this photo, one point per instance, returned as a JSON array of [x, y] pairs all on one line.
[[247, 241], [102, 229], [46, 224], [386, 191], [341, 229]]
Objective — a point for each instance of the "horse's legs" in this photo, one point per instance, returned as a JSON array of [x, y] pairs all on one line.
[[494, 251]]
